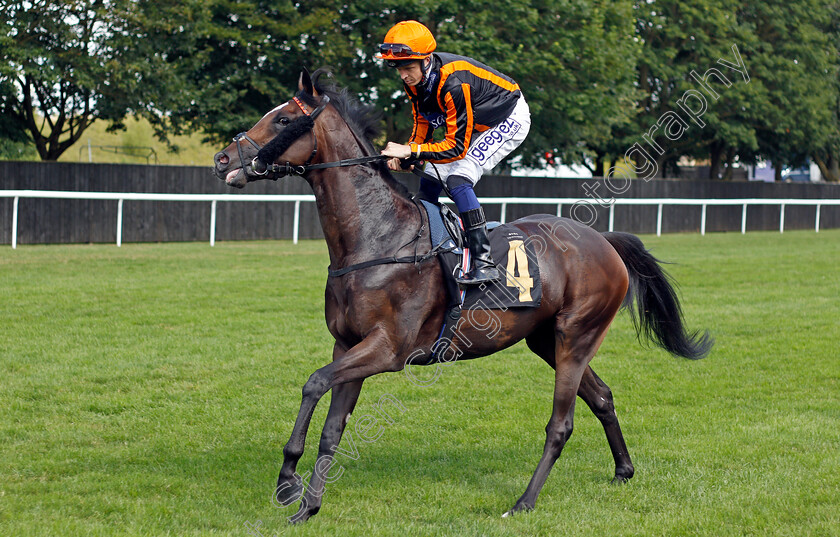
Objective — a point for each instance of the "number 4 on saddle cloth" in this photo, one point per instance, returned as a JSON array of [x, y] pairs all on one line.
[[518, 287]]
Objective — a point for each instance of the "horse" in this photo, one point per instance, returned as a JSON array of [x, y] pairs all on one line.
[[382, 310]]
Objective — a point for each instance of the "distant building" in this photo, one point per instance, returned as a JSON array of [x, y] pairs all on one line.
[[764, 171]]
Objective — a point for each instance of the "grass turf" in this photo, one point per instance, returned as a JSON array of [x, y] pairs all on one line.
[[148, 390]]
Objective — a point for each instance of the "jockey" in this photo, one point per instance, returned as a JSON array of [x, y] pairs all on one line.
[[485, 118]]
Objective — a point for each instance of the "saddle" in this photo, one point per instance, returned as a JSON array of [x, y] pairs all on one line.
[[444, 225], [519, 287]]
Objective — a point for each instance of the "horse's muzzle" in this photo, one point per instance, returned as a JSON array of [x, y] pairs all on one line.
[[233, 176]]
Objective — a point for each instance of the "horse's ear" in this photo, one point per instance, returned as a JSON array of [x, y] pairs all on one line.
[[305, 82]]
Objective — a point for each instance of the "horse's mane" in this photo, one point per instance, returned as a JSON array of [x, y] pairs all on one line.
[[363, 119]]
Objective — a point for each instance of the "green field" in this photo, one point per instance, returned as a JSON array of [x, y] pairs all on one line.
[[148, 390]]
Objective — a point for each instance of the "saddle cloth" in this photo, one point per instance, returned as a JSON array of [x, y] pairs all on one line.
[[520, 285]]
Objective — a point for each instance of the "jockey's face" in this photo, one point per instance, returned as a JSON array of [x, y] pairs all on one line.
[[411, 73]]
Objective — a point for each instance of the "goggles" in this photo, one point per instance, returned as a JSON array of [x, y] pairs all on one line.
[[397, 50]]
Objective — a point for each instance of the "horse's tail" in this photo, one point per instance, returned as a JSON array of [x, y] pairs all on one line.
[[658, 313]]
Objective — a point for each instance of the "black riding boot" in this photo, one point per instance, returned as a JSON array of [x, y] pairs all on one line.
[[482, 267]]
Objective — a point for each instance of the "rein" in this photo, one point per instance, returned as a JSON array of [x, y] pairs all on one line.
[[262, 166], [415, 259], [258, 168]]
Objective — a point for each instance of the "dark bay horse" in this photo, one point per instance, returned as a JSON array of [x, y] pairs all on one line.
[[380, 315]]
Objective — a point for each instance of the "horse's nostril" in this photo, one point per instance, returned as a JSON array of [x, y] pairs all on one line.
[[221, 159]]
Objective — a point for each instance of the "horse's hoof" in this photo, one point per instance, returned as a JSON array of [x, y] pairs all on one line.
[[304, 514], [287, 493], [517, 509], [622, 476], [299, 518]]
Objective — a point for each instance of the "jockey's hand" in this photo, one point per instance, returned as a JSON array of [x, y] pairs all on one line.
[[396, 152]]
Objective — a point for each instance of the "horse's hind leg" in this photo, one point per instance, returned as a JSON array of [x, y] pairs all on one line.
[[597, 395], [574, 347]]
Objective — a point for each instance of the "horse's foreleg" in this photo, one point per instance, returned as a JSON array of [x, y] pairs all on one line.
[[344, 398], [290, 486], [598, 396], [373, 355]]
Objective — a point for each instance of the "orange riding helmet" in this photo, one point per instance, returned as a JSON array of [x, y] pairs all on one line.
[[407, 40]]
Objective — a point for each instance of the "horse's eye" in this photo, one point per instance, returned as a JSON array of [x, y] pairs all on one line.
[[284, 121]]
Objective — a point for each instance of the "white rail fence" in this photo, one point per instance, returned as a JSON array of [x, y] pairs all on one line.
[[121, 197]]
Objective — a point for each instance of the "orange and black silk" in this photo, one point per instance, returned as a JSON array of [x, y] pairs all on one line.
[[466, 97]]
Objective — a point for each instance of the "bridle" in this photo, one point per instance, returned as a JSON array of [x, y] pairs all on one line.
[[259, 169]]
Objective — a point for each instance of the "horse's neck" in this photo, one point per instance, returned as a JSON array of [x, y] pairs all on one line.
[[362, 215]]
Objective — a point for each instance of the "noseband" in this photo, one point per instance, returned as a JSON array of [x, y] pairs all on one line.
[[259, 169], [262, 166]]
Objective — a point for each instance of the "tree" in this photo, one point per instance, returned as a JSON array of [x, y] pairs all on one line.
[[827, 153], [68, 63], [777, 109], [573, 60], [678, 69], [795, 67], [247, 58], [598, 74], [14, 143]]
